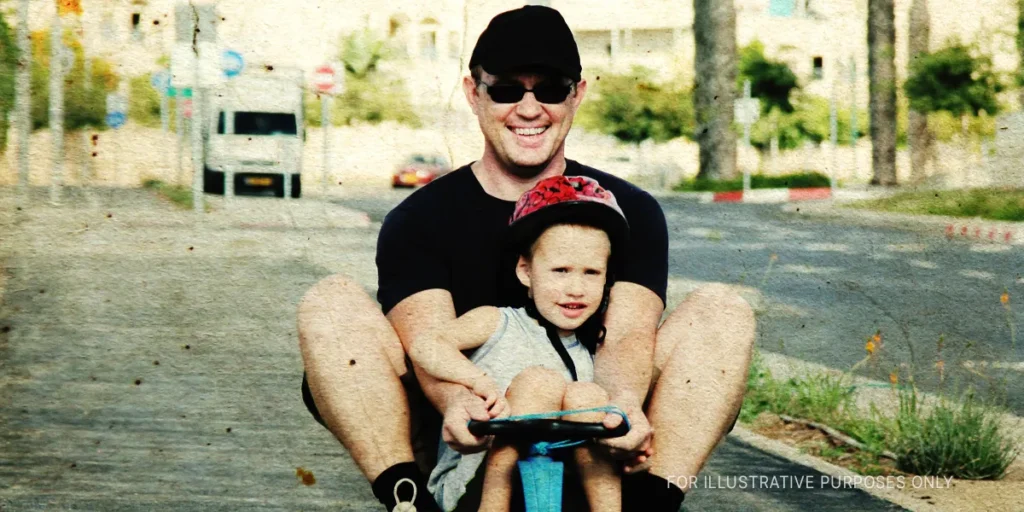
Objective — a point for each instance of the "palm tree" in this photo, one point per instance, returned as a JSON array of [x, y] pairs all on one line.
[[882, 86], [714, 29], [920, 136]]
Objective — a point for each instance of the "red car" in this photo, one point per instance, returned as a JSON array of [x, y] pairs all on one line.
[[419, 170]]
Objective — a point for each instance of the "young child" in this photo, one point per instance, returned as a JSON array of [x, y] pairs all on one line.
[[568, 232]]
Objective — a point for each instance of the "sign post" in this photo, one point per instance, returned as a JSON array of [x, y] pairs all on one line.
[[161, 81], [746, 112], [326, 81]]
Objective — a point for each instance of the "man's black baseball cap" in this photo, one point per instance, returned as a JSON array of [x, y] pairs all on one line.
[[530, 37]]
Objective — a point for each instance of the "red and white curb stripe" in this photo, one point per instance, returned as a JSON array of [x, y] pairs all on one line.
[[984, 232], [768, 195]]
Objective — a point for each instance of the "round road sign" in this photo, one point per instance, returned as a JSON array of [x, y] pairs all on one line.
[[116, 120], [324, 78], [232, 63]]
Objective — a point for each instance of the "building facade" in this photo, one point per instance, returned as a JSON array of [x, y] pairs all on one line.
[[823, 41]]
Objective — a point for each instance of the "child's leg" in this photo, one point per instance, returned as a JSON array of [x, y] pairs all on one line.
[[534, 390], [601, 480]]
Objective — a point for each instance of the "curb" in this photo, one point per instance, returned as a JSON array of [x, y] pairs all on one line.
[[835, 473], [772, 195], [976, 229]]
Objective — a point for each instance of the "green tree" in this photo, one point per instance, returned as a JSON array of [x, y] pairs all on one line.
[[8, 67], [633, 108], [85, 100], [1020, 49], [371, 94], [808, 121], [956, 80], [770, 81], [144, 102]]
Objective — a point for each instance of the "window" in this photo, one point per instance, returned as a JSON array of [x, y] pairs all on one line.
[[819, 68], [220, 123], [428, 44], [136, 21], [783, 8], [264, 123]]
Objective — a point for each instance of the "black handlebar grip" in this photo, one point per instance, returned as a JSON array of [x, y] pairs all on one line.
[[545, 430]]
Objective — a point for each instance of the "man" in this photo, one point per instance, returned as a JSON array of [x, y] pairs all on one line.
[[440, 254]]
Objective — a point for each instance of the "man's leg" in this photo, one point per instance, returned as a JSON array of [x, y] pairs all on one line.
[[701, 357], [353, 361]]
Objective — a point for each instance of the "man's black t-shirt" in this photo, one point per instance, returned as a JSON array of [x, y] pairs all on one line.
[[450, 235]]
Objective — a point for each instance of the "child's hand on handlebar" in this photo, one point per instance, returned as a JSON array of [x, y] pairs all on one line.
[[486, 388]]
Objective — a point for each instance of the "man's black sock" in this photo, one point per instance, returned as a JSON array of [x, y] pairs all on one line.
[[384, 488], [650, 493]]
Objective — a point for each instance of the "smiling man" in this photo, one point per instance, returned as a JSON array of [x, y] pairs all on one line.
[[441, 253]]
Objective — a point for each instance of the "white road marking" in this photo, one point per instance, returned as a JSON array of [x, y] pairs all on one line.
[[807, 269], [923, 264], [978, 274], [827, 248], [705, 233], [997, 365], [988, 248], [906, 247]]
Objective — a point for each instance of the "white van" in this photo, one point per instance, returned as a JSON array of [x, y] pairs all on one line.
[[255, 127]]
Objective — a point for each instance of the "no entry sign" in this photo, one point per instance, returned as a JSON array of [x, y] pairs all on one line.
[[326, 78]]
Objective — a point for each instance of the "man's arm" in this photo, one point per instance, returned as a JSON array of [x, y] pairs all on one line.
[[624, 362], [419, 313]]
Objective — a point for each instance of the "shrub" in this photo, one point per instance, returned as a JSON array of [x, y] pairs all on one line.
[[795, 180], [633, 108], [962, 440]]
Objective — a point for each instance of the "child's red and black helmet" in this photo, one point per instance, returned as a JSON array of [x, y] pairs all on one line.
[[568, 200]]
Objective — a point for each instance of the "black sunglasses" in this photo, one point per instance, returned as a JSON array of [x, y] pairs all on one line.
[[546, 92]]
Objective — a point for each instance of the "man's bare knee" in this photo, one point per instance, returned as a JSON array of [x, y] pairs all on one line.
[[536, 388], [337, 311], [714, 312]]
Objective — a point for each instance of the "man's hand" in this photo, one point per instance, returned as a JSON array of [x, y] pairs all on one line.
[[634, 448], [463, 407]]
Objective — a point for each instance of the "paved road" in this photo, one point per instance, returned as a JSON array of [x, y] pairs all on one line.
[[150, 362], [833, 284]]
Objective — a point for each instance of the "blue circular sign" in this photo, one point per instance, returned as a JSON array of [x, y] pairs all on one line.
[[232, 63], [116, 120], [161, 81]]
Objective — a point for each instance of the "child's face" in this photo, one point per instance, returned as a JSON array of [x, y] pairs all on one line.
[[566, 274]]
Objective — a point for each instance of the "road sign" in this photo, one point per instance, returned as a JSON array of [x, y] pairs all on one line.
[[232, 63], [117, 110], [161, 81], [325, 78], [747, 110], [184, 92], [116, 120]]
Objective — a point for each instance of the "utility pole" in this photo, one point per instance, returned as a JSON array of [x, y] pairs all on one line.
[[853, 112], [56, 105], [833, 132], [23, 92]]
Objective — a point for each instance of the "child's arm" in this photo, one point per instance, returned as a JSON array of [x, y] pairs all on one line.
[[438, 351]]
